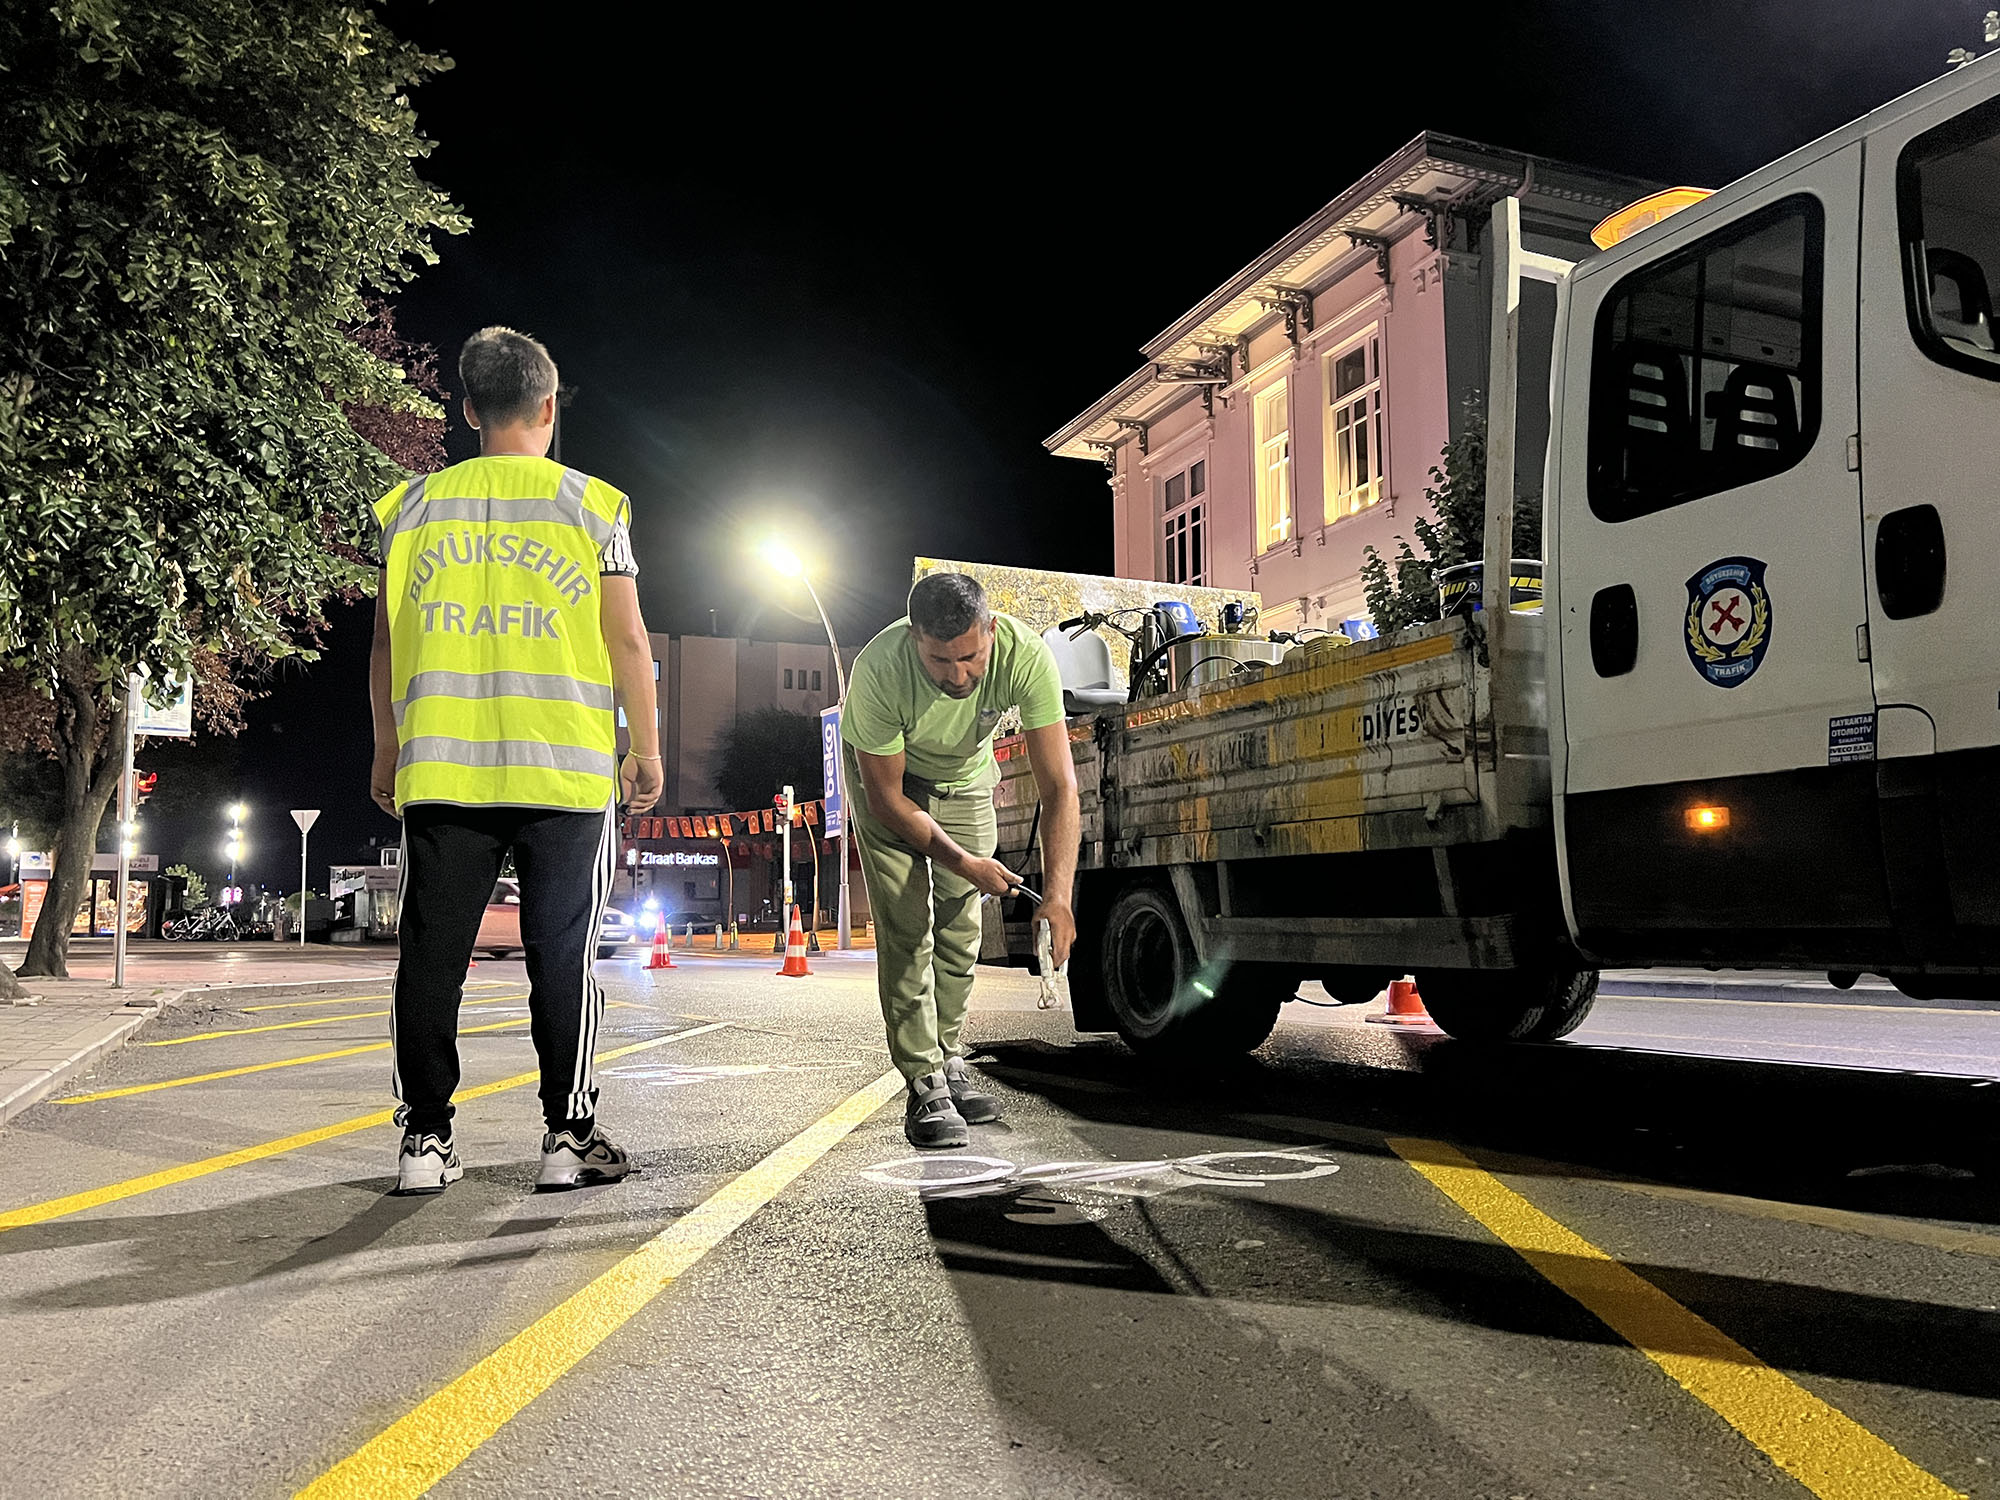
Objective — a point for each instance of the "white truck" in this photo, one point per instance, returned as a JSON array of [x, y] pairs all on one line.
[[1757, 723]]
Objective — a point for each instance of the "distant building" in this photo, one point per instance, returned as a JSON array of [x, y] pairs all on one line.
[[1290, 419], [704, 683]]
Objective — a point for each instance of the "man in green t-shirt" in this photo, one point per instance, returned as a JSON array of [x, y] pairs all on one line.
[[922, 703]]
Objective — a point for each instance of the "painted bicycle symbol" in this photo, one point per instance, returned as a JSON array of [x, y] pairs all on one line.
[[933, 1178]]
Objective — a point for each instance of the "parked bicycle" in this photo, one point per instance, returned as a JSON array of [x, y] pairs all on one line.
[[212, 924]]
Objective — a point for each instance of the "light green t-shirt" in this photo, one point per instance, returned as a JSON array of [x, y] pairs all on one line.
[[892, 704]]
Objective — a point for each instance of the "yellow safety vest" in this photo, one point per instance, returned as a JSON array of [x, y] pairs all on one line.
[[498, 670]]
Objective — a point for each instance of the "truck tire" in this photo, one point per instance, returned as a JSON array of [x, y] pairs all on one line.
[[1160, 1000], [1508, 1005]]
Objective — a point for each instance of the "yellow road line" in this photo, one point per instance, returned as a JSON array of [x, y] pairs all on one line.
[[265, 1067], [364, 1015], [477, 984], [427, 1443], [1824, 1449], [73, 1203], [1842, 1220], [302, 1004], [293, 1062]]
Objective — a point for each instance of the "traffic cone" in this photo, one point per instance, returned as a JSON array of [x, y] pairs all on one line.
[[795, 950], [663, 956], [1406, 1006]]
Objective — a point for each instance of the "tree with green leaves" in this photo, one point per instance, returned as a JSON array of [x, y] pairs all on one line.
[[195, 891], [1402, 590], [195, 201], [764, 749]]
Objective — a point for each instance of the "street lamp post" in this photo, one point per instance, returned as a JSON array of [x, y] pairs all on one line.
[[788, 563]]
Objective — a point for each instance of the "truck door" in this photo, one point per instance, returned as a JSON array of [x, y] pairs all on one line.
[[1718, 797], [1930, 412]]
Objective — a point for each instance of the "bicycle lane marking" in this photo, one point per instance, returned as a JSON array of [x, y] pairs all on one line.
[[441, 1432], [1820, 1446], [56, 1208]]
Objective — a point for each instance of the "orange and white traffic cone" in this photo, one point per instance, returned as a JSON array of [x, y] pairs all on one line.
[[795, 950], [1406, 1006], [663, 956]]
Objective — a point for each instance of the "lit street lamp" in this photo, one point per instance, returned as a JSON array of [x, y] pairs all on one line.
[[788, 564], [234, 848]]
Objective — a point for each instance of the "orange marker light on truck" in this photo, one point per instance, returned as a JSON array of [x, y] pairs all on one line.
[[1707, 819], [1645, 213]]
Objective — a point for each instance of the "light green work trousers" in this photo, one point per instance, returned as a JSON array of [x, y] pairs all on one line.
[[926, 923]]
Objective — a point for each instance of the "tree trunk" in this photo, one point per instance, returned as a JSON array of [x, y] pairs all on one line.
[[91, 765]]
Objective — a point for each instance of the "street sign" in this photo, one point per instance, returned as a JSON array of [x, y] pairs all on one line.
[[305, 817], [165, 710], [829, 764]]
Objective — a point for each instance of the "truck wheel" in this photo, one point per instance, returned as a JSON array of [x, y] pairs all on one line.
[[1508, 1005], [1161, 1000]]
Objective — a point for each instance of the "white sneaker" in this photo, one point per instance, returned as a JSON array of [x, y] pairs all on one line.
[[428, 1163], [568, 1162]]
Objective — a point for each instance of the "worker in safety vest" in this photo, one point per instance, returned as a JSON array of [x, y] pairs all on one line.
[[922, 705], [506, 630]]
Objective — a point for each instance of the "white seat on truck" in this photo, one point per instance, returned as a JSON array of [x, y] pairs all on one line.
[[1085, 667]]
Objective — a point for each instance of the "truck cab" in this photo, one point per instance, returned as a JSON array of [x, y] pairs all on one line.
[[1774, 698]]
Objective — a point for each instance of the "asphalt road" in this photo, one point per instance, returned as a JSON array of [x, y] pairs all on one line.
[[1359, 1263]]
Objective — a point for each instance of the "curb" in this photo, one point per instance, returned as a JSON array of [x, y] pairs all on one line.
[[140, 1014]]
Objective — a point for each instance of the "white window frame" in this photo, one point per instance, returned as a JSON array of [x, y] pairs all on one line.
[[1185, 524], [1370, 397], [1271, 457]]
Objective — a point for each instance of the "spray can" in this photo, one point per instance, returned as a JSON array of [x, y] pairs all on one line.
[[1055, 982]]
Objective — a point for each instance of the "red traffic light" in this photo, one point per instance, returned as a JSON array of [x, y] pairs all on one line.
[[143, 783]]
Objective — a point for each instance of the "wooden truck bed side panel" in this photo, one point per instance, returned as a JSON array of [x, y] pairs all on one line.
[[1345, 751]]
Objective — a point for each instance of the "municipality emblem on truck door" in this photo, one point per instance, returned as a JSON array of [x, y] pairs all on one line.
[[1728, 620]]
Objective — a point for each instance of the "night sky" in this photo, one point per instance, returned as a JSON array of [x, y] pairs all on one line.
[[842, 280]]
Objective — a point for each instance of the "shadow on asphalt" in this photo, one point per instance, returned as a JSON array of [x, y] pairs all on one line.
[[241, 1243], [1777, 1131], [1789, 1132]]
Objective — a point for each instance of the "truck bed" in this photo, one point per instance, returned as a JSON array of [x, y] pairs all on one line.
[[1336, 805]]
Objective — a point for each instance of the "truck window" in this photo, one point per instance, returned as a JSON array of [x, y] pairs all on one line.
[[1948, 202], [1706, 365]]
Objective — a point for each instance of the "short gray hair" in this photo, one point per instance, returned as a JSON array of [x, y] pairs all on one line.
[[943, 606], [507, 375]]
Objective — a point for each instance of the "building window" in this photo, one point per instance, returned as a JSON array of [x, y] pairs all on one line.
[[1183, 529], [656, 669], [1274, 466], [1354, 445], [1706, 365], [815, 686], [788, 677]]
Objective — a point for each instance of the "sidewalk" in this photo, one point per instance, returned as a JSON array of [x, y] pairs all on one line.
[[69, 1024]]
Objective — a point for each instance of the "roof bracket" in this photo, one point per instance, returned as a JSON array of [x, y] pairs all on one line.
[[1139, 427], [1376, 243], [1107, 454], [1437, 218], [1295, 304]]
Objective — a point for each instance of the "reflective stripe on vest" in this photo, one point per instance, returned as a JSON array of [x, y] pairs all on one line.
[[500, 679]]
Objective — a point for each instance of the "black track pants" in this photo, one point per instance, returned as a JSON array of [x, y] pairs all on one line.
[[451, 859]]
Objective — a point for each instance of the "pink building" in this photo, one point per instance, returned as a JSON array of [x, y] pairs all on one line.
[[1291, 418]]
